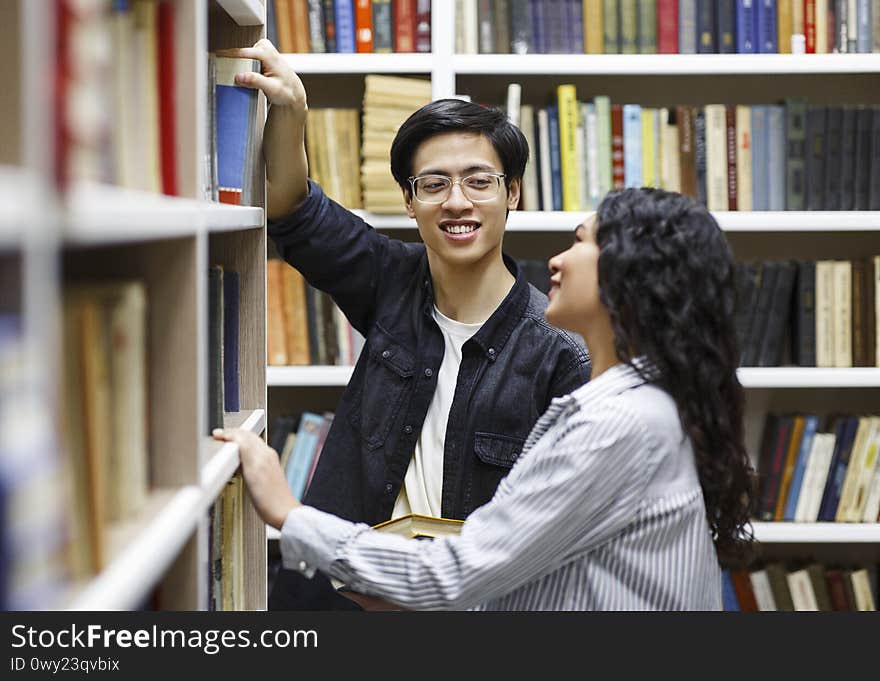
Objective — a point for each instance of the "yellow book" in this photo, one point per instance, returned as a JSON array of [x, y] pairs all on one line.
[[783, 29], [716, 157], [417, 526], [594, 40], [650, 148], [744, 158], [570, 165]]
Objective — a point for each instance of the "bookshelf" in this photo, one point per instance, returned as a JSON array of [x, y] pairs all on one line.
[[655, 80], [91, 230]]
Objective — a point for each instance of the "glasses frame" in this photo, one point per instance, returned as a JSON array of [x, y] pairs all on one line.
[[412, 183]]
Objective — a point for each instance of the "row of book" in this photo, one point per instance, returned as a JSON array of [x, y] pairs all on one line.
[[226, 548], [35, 499], [777, 586], [665, 26], [819, 470], [349, 26], [105, 414], [299, 439], [787, 156], [305, 326], [112, 125], [333, 146], [224, 294], [828, 309]]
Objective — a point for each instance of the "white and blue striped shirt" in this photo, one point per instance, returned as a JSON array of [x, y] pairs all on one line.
[[602, 511]]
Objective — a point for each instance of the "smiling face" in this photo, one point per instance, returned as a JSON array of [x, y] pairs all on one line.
[[459, 231], [574, 294]]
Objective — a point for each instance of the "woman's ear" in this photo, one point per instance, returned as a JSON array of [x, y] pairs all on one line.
[[513, 194]]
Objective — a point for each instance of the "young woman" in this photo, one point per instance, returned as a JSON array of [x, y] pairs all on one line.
[[627, 488]]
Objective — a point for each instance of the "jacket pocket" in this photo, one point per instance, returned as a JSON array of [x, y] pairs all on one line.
[[497, 450], [387, 376]]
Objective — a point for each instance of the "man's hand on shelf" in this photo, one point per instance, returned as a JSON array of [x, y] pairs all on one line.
[[277, 80], [262, 473]]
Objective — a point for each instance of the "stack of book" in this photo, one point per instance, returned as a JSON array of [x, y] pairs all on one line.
[[388, 102], [333, 142]]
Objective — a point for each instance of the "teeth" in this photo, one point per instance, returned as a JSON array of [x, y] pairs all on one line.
[[460, 229]]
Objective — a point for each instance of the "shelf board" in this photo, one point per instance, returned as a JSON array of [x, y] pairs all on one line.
[[100, 214], [829, 533], [750, 377], [245, 12], [222, 457], [663, 64], [361, 63], [808, 377], [729, 221], [219, 217], [308, 376], [141, 550]]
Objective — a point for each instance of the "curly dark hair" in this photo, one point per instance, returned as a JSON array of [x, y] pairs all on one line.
[[666, 275]]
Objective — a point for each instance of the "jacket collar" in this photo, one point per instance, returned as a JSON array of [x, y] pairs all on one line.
[[495, 332]]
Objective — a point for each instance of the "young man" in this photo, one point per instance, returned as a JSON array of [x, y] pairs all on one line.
[[459, 362]]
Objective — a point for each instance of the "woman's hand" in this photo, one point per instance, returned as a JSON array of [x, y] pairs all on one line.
[[262, 473]]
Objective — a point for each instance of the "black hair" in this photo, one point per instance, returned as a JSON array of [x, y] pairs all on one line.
[[451, 115], [667, 277]]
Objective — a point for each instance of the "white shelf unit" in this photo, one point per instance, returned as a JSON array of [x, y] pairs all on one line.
[[49, 239], [653, 80]]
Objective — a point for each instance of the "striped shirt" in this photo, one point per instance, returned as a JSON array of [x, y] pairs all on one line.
[[602, 511]]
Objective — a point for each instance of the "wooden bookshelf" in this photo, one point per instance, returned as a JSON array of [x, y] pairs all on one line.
[[52, 238]]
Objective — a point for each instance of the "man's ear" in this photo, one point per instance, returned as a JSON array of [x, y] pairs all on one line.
[[408, 200], [513, 194]]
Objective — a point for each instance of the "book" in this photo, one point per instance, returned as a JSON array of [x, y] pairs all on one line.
[[417, 526], [811, 423], [803, 331], [231, 297], [215, 348], [779, 313], [236, 120]]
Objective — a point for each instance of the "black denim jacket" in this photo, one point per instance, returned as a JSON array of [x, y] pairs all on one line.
[[510, 369]]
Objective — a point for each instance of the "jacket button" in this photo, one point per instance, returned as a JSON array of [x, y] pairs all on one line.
[[386, 354], [388, 488], [491, 352], [407, 429], [429, 373]]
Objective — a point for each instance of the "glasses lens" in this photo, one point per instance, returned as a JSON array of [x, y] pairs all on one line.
[[432, 188], [481, 186]]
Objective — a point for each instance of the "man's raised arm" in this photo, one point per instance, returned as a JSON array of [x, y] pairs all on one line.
[[284, 136]]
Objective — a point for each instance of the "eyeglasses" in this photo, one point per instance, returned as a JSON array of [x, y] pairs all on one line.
[[477, 188]]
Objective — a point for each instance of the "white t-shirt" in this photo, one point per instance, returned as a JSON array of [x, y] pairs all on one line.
[[422, 488]]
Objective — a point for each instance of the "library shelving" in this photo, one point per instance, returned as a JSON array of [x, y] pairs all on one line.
[[55, 236], [656, 80]]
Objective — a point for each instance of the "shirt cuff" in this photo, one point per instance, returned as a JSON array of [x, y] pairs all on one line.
[[311, 539]]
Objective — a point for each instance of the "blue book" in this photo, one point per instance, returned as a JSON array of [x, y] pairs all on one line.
[[539, 27], [837, 471], [707, 30], [811, 423], [555, 157], [864, 27], [344, 13], [776, 156], [745, 27], [632, 145], [766, 38], [236, 112], [575, 27], [760, 159], [231, 286], [308, 436], [725, 22], [728, 592]]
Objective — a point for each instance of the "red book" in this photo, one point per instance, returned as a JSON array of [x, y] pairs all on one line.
[[617, 164], [810, 25], [667, 26], [423, 25], [363, 25], [167, 97], [404, 25]]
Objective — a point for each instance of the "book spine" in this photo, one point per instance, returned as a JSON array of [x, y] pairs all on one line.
[[520, 27], [700, 155], [667, 26], [784, 26], [603, 143], [632, 145], [745, 27], [593, 27], [687, 26], [795, 158], [345, 26], [685, 117], [570, 166], [765, 31], [725, 19], [363, 26], [706, 28], [555, 157], [815, 157], [776, 157], [610, 27], [629, 27], [316, 26], [647, 26], [730, 121], [618, 174], [330, 25], [744, 194]]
